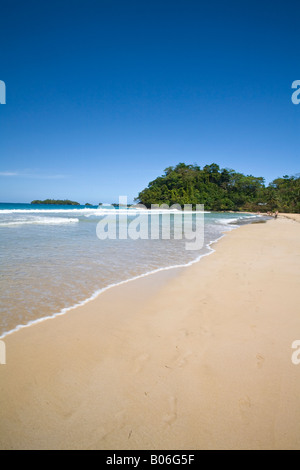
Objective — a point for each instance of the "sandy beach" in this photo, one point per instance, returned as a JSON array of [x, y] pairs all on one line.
[[193, 358]]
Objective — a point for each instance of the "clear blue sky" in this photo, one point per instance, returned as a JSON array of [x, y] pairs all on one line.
[[103, 95]]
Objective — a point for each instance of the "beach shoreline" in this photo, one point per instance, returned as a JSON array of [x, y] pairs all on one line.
[[197, 359], [70, 266], [44, 314]]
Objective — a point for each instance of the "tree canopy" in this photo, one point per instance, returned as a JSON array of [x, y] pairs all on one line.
[[221, 189]]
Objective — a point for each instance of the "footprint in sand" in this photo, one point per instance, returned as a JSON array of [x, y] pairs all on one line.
[[171, 417], [119, 418], [205, 331], [111, 426], [244, 406], [182, 360], [140, 361], [185, 332], [244, 403], [260, 360]]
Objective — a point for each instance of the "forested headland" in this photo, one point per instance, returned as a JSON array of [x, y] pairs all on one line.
[[222, 190]]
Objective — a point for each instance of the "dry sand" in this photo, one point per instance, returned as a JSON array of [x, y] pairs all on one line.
[[295, 217], [199, 361]]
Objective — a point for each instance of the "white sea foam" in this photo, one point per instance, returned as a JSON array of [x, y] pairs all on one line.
[[40, 221], [51, 211], [226, 221], [89, 212]]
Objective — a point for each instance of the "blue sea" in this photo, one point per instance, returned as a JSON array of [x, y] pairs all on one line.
[[51, 258]]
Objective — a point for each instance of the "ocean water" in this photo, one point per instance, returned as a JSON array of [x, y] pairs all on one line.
[[51, 258]]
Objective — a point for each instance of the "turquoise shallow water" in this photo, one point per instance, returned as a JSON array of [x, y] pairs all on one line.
[[51, 257]]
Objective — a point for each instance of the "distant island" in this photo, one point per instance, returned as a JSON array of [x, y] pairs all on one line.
[[60, 202]]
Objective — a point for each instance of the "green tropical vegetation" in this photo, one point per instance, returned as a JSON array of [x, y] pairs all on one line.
[[64, 202], [222, 190]]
